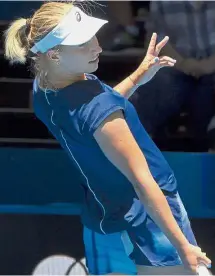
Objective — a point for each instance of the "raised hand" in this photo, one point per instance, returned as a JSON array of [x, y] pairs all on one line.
[[152, 62]]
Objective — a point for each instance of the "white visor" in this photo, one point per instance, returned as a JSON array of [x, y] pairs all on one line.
[[74, 29]]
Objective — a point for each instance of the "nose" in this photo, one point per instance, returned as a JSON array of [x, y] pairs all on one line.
[[96, 47], [99, 50]]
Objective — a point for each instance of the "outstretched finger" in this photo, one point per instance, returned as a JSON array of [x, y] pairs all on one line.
[[161, 45], [165, 58], [167, 64], [152, 44]]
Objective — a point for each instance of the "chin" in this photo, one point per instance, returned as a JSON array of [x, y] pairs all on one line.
[[94, 69]]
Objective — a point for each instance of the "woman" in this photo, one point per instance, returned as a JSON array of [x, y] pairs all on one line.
[[128, 185]]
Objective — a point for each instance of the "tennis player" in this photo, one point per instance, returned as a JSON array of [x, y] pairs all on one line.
[[129, 187]]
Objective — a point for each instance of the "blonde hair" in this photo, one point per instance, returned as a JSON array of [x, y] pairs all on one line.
[[23, 33]]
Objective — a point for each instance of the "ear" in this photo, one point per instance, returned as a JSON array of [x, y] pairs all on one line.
[[53, 55]]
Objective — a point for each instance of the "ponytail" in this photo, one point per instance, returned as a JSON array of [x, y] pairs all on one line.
[[16, 42]]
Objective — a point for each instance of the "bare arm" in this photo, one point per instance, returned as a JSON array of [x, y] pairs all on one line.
[[117, 143], [128, 86]]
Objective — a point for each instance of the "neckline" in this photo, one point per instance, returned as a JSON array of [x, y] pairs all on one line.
[[90, 77]]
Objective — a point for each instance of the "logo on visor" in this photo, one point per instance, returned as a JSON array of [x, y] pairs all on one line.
[[78, 16]]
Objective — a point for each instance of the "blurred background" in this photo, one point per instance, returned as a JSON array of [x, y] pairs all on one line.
[[176, 107]]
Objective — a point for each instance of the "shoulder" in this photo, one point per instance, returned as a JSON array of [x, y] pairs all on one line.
[[88, 94]]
